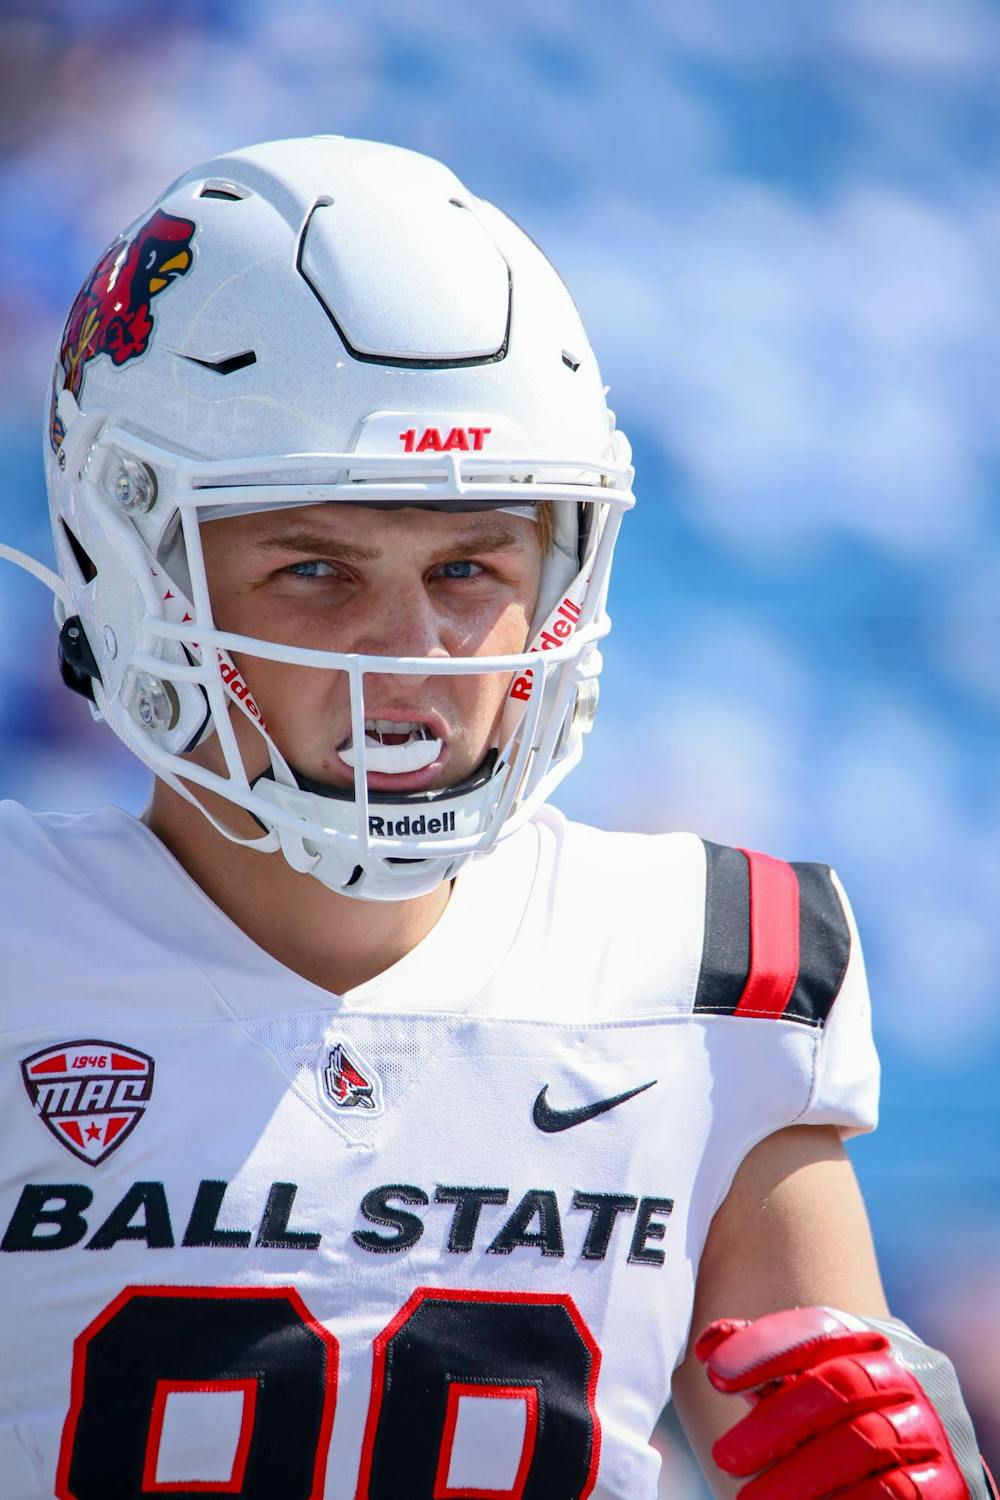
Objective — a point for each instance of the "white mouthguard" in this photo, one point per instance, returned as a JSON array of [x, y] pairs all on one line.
[[394, 760]]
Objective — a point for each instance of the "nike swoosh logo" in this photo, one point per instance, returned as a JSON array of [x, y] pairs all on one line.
[[551, 1120]]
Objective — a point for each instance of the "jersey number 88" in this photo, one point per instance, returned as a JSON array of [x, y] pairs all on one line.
[[443, 1345]]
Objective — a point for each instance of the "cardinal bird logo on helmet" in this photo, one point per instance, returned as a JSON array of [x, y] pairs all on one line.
[[112, 313], [350, 1082]]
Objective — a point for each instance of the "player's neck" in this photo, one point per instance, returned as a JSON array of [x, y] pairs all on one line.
[[337, 942]]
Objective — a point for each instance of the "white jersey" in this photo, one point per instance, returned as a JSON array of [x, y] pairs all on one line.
[[435, 1238]]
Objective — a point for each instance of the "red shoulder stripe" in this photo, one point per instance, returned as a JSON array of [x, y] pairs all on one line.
[[774, 936], [776, 941]]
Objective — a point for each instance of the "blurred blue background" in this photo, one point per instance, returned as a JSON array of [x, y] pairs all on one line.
[[781, 222]]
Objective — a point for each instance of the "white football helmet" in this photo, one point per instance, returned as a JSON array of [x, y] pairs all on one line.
[[325, 321]]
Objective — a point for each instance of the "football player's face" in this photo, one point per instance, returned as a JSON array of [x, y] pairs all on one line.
[[348, 578]]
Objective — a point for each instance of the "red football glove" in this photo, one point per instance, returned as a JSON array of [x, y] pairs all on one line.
[[833, 1413]]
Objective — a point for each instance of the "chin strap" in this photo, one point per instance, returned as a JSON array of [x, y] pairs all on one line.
[[38, 570], [555, 630], [110, 709]]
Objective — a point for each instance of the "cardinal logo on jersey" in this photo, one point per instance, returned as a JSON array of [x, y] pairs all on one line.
[[351, 1083], [90, 1094], [112, 313]]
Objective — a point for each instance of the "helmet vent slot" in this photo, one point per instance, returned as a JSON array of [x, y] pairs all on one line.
[[228, 192], [84, 561], [570, 361], [224, 366]]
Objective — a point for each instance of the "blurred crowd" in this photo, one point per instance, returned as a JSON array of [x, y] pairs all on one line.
[[781, 223]]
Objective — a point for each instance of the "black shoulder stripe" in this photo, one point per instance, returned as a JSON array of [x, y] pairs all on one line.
[[725, 961], [824, 946]]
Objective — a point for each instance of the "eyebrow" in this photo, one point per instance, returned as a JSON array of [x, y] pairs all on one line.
[[478, 538]]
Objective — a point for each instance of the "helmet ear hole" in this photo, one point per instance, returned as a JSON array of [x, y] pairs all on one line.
[[84, 561]]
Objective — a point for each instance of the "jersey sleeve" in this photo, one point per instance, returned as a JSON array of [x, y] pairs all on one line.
[[781, 945], [846, 1086]]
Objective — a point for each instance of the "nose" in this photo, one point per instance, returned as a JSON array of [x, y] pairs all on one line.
[[403, 621]]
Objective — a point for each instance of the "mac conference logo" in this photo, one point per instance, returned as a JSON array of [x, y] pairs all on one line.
[[89, 1094]]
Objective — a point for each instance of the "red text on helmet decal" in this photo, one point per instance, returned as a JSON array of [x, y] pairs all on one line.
[[558, 628], [111, 314], [464, 439], [234, 682]]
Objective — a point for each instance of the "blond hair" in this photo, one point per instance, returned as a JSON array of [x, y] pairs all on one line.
[[546, 521]]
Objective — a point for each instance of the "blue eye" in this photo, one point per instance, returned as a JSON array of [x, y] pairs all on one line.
[[310, 569], [461, 569]]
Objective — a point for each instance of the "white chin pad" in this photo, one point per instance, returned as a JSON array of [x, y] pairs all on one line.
[[394, 760]]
